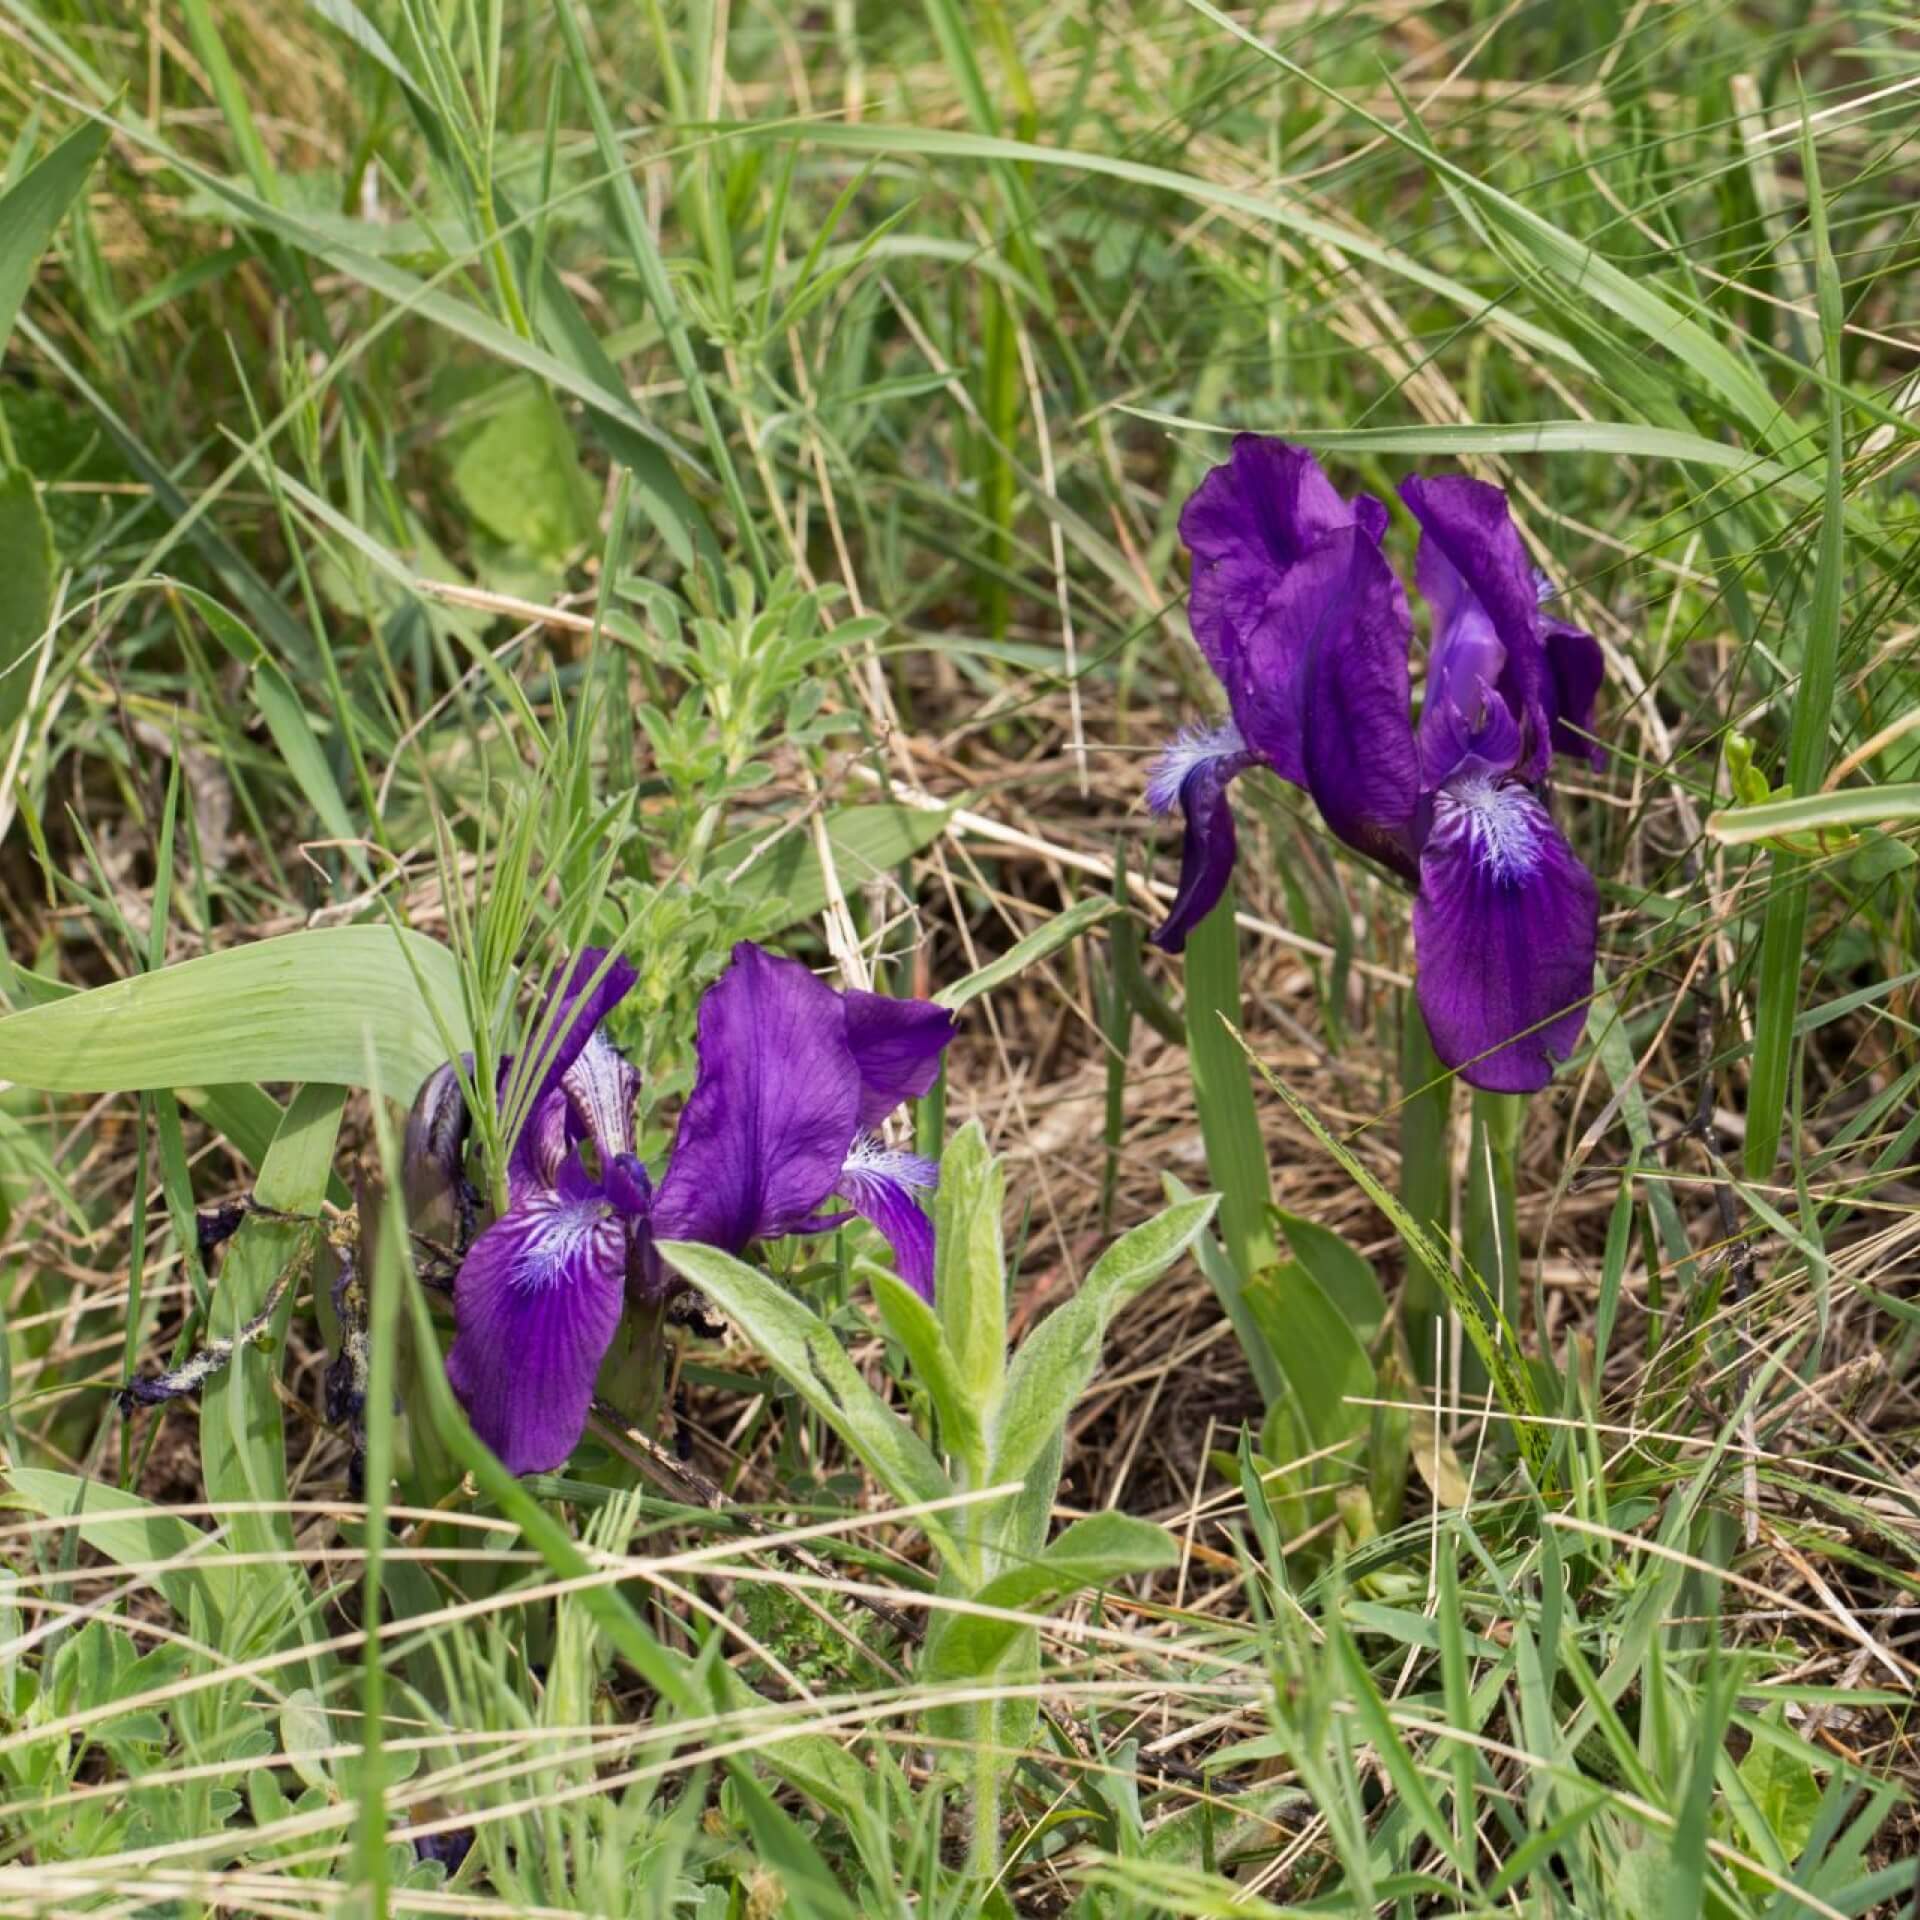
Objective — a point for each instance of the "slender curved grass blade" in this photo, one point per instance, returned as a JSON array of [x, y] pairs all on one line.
[[34, 206], [1777, 985]]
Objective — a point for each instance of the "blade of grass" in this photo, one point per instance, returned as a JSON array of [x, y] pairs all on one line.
[[1777, 983]]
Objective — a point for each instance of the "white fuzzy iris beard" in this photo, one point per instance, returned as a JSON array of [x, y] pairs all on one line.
[[1504, 824], [1192, 745]]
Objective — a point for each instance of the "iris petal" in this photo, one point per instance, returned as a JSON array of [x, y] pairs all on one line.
[[1261, 530], [1474, 571], [1207, 848], [1578, 667], [548, 1134], [1357, 742], [601, 1086], [772, 1113], [884, 1186], [897, 1045], [1505, 926], [536, 1305], [575, 1007]]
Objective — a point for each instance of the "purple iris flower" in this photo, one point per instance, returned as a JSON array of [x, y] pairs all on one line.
[[793, 1080], [1301, 617]]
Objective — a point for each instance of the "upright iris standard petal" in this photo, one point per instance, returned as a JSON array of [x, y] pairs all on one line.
[[1358, 748], [773, 1110], [1578, 666], [576, 1005], [1259, 529], [884, 1186], [1504, 927], [1209, 844], [896, 1044], [535, 1307], [548, 1134], [601, 1086], [1473, 568]]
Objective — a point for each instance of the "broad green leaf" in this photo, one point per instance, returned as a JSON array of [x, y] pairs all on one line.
[[132, 1532], [970, 1267], [917, 1327], [1326, 1366], [867, 842], [1058, 1359], [801, 1348], [26, 590], [1784, 1787], [518, 473], [1060, 931], [1093, 1552], [333, 1005], [1344, 1276], [34, 206]]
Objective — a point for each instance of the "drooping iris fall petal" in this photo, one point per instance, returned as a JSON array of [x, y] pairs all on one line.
[[535, 1309], [773, 1111], [883, 1185], [1505, 926], [1197, 775]]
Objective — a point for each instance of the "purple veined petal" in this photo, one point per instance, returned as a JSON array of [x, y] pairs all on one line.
[[574, 1007], [1474, 571], [1578, 666], [884, 1186], [773, 1110], [601, 1086], [629, 1191], [1361, 764], [1209, 844], [540, 1149], [1480, 737], [1504, 926], [897, 1045], [1260, 529], [536, 1306]]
